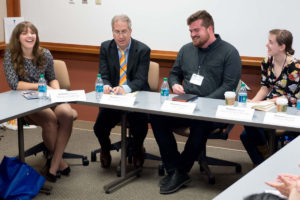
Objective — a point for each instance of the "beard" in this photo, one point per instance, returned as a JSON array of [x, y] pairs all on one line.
[[200, 41]]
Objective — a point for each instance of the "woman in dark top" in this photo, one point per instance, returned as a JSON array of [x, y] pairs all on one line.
[[24, 62], [280, 74]]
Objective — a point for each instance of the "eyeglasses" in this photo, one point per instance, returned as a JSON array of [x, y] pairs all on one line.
[[118, 33]]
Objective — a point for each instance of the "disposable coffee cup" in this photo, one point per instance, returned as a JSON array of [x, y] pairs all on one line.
[[229, 98], [281, 104]]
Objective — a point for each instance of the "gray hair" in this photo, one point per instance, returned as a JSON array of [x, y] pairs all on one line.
[[123, 18]]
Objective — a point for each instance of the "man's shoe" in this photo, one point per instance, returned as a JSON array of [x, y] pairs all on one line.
[[139, 157], [166, 179], [105, 158], [264, 150], [177, 180]]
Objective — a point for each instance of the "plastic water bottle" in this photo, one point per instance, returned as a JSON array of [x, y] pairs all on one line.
[[243, 94], [298, 104], [42, 87], [164, 91], [99, 86]]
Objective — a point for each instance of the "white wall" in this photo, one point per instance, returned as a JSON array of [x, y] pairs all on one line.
[[162, 23], [2, 15]]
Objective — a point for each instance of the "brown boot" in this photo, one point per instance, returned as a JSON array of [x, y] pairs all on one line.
[[105, 158], [264, 150]]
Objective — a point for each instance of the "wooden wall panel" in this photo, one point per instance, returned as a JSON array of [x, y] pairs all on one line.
[[13, 8]]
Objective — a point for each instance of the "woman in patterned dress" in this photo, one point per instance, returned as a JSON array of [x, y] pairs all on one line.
[[24, 62], [279, 77]]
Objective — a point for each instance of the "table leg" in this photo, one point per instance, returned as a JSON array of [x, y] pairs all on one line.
[[21, 139], [124, 176]]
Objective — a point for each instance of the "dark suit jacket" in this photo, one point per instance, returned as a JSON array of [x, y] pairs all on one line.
[[137, 65]]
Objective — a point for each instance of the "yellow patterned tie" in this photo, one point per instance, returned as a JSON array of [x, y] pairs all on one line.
[[123, 68]]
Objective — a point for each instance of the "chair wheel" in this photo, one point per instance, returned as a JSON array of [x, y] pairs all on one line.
[[93, 156], [85, 161], [211, 180], [238, 169], [119, 171], [161, 170]]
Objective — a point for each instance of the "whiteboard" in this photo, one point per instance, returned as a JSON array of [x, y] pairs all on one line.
[[161, 24]]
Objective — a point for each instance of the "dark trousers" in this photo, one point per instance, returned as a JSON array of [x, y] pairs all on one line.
[[163, 131], [109, 118], [252, 137]]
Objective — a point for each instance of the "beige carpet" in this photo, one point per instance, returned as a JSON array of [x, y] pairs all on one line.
[[86, 182]]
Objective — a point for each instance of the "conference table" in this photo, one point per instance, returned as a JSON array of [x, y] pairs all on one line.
[[285, 160], [149, 102], [14, 105]]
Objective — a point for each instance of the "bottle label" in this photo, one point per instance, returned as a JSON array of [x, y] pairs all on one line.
[[164, 92], [242, 98], [99, 88], [298, 104], [45, 88], [42, 88]]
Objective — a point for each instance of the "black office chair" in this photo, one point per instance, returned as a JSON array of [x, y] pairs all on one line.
[[203, 160], [153, 80], [62, 76], [278, 138]]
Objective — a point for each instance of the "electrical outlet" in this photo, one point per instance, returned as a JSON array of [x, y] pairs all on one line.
[[98, 2]]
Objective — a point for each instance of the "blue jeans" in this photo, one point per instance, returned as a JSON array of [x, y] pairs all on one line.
[[252, 137]]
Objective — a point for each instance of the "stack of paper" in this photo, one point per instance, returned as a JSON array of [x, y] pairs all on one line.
[[262, 106]]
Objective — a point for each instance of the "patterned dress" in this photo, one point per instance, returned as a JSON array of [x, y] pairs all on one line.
[[33, 73], [286, 84]]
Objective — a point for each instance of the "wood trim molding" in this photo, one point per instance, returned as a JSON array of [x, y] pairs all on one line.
[[13, 8], [91, 53], [155, 54], [2, 46]]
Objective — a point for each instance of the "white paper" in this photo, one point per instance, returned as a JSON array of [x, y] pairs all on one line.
[[262, 103], [67, 96], [178, 107], [118, 100], [239, 113], [282, 119], [9, 25]]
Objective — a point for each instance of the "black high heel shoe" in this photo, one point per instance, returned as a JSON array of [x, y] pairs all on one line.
[[50, 177], [47, 167], [66, 171]]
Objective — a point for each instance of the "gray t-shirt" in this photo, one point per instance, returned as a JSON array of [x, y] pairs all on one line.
[[220, 65], [33, 73]]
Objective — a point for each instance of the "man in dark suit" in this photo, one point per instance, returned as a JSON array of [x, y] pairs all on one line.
[[124, 65]]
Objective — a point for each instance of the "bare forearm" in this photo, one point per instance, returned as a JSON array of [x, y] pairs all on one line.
[[22, 85], [54, 84], [261, 94]]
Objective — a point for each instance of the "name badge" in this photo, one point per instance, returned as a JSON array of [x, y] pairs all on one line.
[[196, 79]]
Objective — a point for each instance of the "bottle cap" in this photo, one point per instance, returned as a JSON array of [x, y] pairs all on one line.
[[42, 76], [165, 79], [99, 75], [243, 84]]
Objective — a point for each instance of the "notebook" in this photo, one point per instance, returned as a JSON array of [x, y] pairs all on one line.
[[185, 97]]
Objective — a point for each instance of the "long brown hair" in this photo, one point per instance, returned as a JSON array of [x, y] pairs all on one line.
[[16, 51]]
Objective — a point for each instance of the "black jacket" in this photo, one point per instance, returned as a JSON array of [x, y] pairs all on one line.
[[137, 65]]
